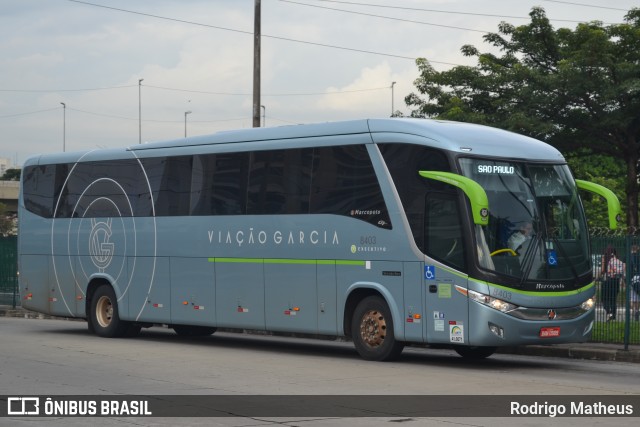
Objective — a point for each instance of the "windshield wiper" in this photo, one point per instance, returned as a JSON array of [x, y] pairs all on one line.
[[528, 258]]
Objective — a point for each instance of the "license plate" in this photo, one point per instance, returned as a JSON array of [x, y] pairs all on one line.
[[550, 332]]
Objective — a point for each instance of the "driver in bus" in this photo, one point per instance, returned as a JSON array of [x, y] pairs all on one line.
[[517, 239]]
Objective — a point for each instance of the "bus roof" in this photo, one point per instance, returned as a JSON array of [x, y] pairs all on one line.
[[453, 136]]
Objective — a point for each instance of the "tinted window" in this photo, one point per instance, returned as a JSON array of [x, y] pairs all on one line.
[[443, 229], [103, 189], [38, 189], [279, 182], [170, 179], [333, 180], [219, 184], [404, 161], [345, 183]]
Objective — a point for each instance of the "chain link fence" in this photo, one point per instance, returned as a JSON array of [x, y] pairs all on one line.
[[616, 262], [9, 271]]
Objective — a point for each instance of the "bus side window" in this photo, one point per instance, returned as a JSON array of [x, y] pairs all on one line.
[[279, 182], [37, 189], [443, 229], [219, 184], [404, 161], [345, 183]]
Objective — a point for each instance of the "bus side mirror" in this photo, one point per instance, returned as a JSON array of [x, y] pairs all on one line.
[[613, 204], [474, 192]]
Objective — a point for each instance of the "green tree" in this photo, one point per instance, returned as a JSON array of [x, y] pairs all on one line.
[[575, 89], [11, 175], [603, 170]]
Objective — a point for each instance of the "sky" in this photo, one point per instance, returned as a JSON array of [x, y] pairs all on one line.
[[320, 61]]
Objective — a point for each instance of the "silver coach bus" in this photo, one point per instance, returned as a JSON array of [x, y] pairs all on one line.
[[389, 232]]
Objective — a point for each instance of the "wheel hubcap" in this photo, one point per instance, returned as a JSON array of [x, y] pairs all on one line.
[[104, 311], [373, 328]]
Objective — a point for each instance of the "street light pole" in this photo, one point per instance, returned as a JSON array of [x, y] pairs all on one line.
[[64, 126], [257, 23], [392, 84], [140, 111], [264, 116], [185, 122]]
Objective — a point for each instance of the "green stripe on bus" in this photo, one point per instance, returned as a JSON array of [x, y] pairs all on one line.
[[289, 261], [517, 291], [543, 293]]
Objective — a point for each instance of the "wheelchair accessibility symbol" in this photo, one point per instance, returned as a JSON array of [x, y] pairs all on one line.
[[430, 272], [552, 258]]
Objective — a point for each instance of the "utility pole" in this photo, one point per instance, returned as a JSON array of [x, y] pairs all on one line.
[[140, 111], [256, 64], [64, 126], [392, 85]]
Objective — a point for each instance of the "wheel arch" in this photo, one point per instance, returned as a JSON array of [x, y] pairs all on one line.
[[94, 284], [361, 290]]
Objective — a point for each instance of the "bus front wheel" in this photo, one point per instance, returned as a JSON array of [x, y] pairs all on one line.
[[105, 320], [372, 331]]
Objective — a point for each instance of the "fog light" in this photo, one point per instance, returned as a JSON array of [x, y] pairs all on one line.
[[497, 330]]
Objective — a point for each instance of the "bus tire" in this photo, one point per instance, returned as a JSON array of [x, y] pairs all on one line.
[[104, 319], [475, 353], [372, 330], [193, 331]]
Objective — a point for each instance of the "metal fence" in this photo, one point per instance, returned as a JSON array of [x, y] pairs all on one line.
[[617, 300], [617, 304], [8, 271]]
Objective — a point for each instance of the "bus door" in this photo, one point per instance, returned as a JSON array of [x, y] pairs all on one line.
[[446, 309]]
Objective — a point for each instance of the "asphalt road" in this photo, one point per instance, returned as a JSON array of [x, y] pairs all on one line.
[[58, 357]]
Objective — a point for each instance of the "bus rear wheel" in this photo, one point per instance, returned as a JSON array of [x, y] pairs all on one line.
[[372, 331], [476, 353], [105, 319]]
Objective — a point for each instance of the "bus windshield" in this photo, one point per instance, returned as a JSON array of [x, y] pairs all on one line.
[[537, 230]]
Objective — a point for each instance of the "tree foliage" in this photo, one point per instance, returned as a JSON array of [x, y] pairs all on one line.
[[11, 175], [578, 90]]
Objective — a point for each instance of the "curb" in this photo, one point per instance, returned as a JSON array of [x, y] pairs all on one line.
[[587, 351]]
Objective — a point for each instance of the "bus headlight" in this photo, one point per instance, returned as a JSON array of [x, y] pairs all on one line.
[[489, 301], [588, 304]]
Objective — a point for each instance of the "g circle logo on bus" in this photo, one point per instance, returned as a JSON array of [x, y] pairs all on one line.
[[101, 249]]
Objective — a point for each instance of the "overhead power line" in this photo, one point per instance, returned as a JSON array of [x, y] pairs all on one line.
[[350, 49], [337, 92], [452, 12], [386, 17], [66, 90], [152, 120], [585, 5], [272, 94], [28, 113]]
